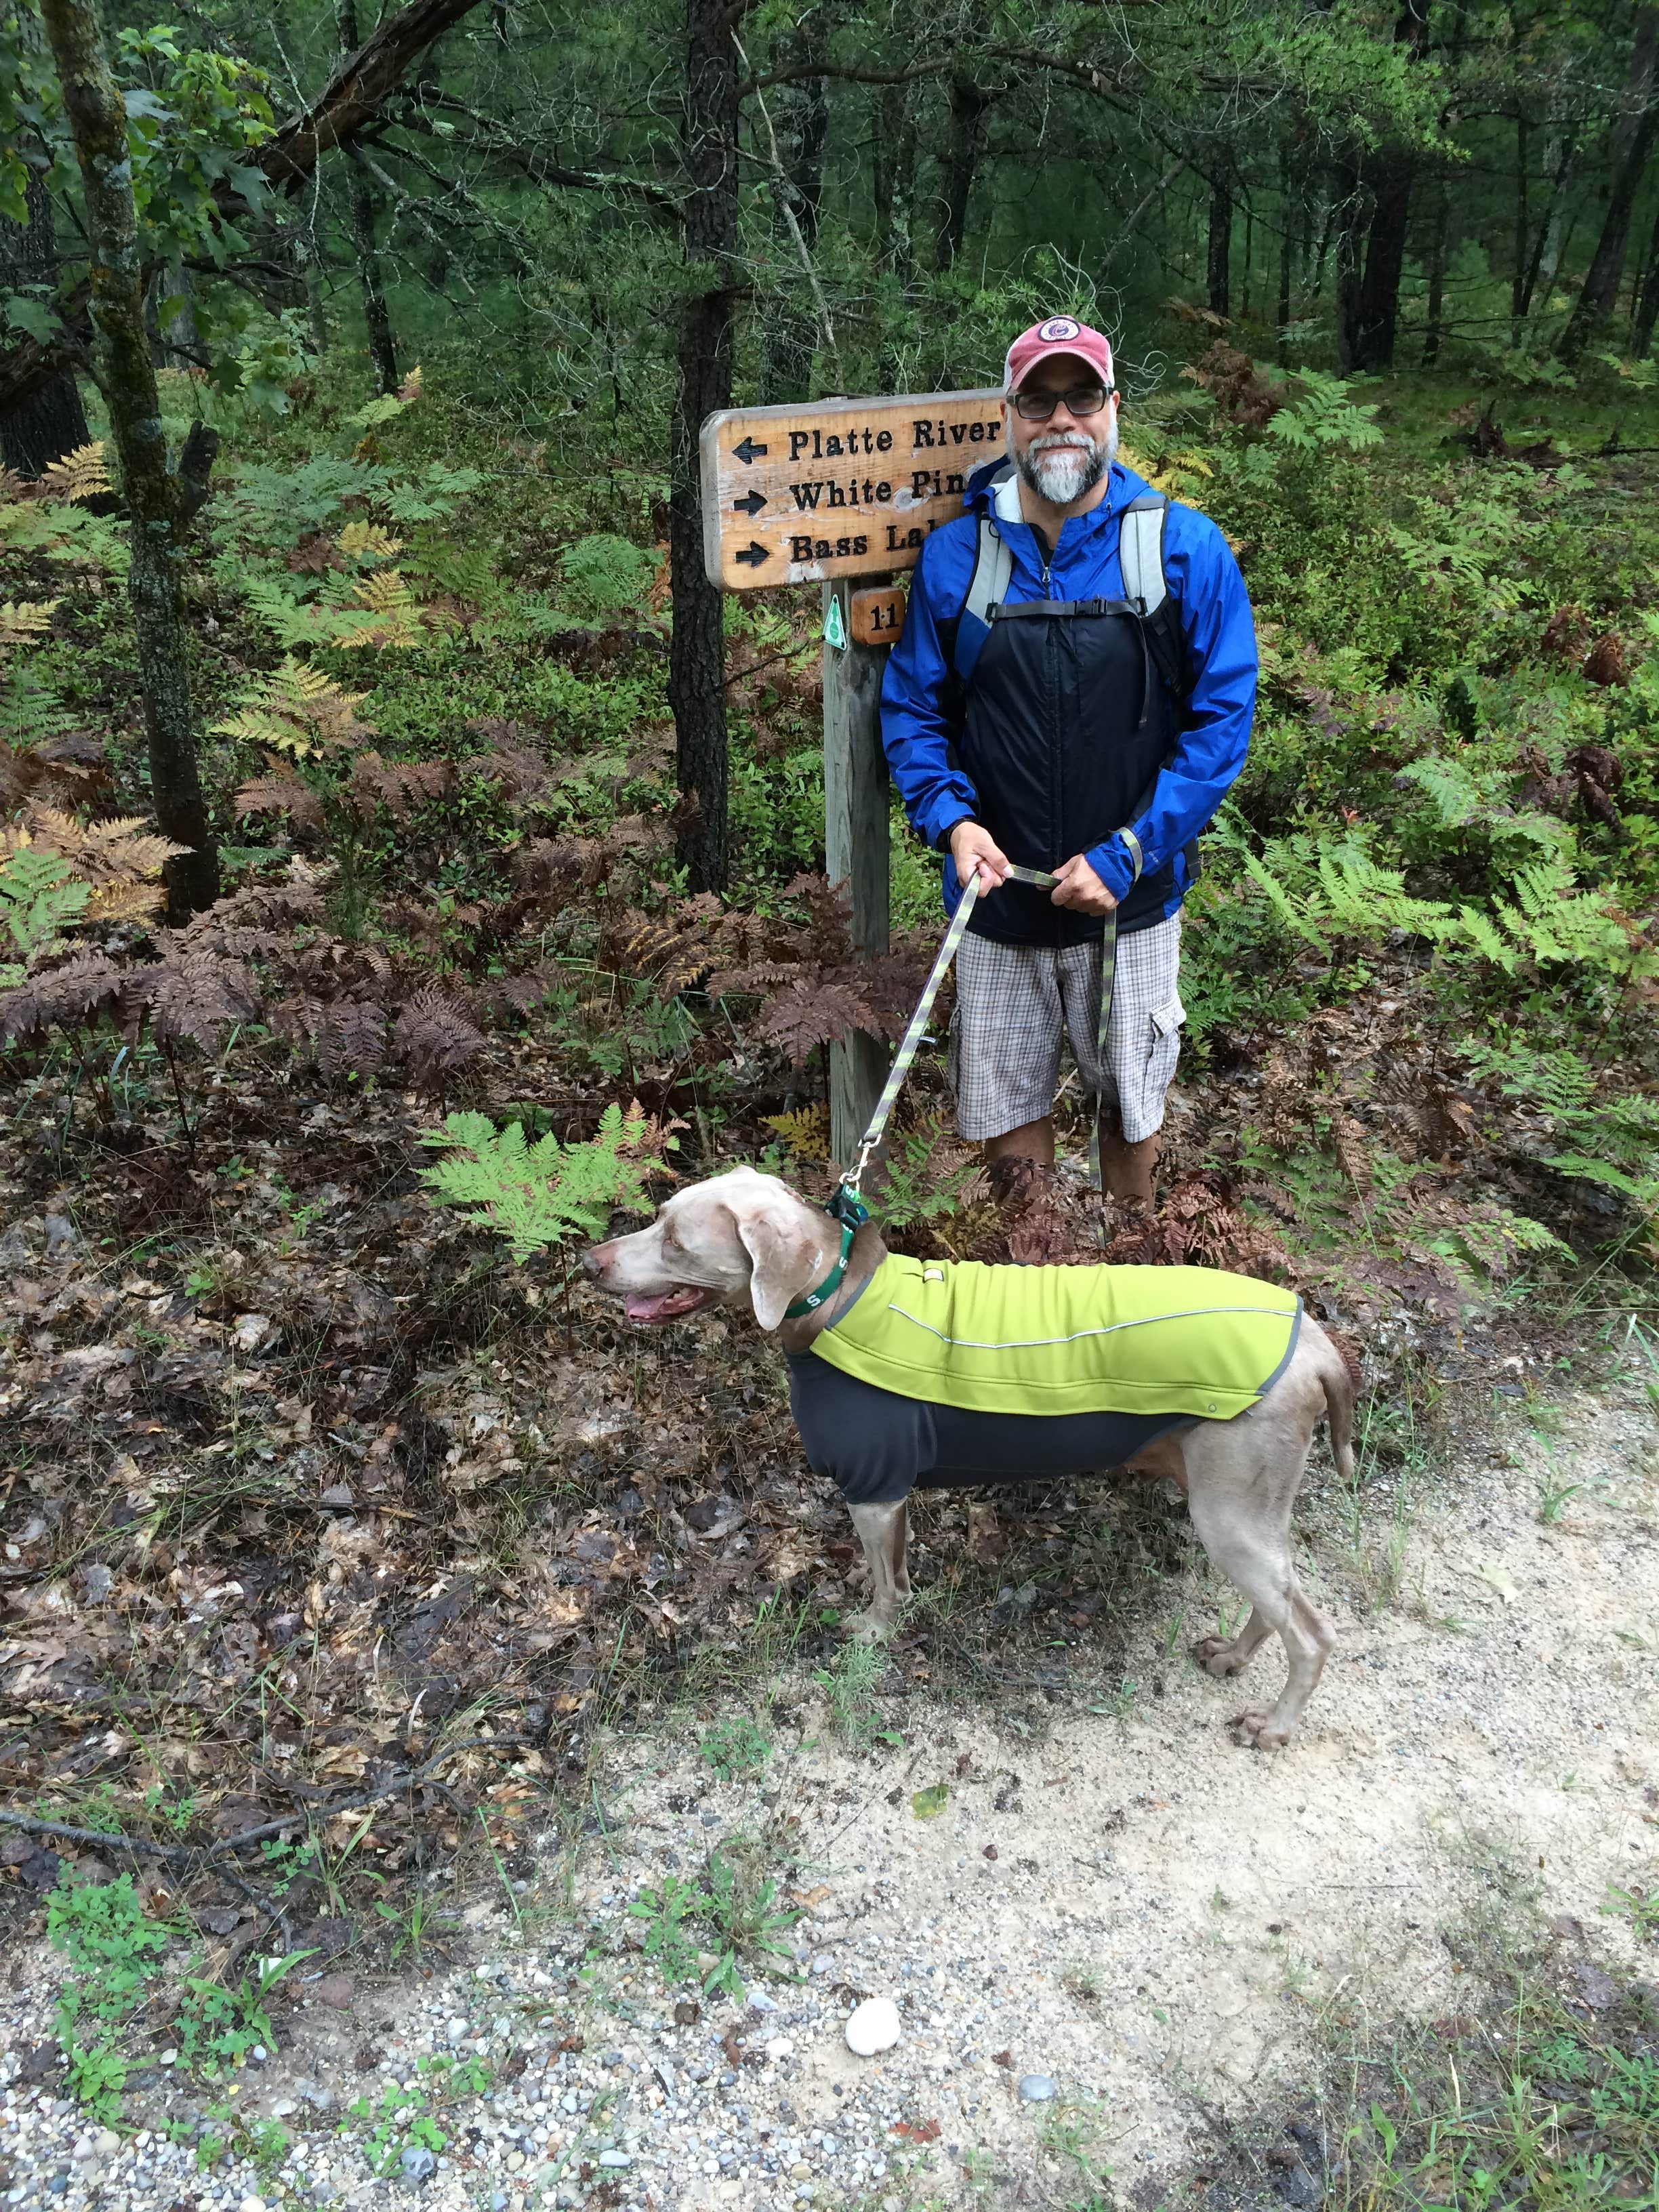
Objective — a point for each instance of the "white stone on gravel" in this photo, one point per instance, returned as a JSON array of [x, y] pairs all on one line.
[[1036, 2088], [873, 2026]]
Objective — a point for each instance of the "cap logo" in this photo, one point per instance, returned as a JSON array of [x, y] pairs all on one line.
[[1059, 326]]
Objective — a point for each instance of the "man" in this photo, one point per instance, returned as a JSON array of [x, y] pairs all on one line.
[[1080, 738]]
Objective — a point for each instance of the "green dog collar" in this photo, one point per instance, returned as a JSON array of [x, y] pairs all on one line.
[[831, 1283]]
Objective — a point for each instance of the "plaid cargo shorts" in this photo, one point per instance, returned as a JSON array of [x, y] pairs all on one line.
[[1014, 1000]]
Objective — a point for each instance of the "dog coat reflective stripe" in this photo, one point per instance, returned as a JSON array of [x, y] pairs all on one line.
[[1056, 1340]]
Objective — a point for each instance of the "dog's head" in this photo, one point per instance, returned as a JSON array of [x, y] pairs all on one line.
[[741, 1236]]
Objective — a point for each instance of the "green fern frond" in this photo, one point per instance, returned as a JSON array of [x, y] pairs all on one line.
[[1279, 898], [536, 1195], [1487, 941], [1642, 1190]]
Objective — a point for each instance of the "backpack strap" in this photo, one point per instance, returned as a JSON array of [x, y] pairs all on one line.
[[1140, 553], [994, 564]]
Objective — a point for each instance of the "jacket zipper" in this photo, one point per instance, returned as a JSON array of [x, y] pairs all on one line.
[[1051, 704]]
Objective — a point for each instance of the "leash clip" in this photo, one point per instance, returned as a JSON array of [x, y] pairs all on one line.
[[847, 1206]]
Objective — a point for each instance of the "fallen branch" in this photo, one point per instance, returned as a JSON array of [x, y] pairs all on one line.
[[410, 1779], [186, 1856], [209, 1855]]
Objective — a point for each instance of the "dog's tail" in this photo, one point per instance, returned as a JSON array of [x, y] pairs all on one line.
[[1339, 1371]]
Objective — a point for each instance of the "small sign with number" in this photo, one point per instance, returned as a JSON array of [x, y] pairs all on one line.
[[879, 615]]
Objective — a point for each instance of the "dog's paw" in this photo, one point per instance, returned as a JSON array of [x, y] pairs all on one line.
[[1253, 1731], [1218, 1655], [869, 1627]]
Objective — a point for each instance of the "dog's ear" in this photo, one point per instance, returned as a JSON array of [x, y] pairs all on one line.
[[783, 1258]]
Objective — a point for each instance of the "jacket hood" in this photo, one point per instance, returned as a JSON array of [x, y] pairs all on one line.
[[1122, 486]]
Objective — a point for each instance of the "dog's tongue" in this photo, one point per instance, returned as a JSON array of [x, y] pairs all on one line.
[[664, 1308]]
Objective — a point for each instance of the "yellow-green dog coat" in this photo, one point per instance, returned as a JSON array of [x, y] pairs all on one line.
[[1059, 1341]]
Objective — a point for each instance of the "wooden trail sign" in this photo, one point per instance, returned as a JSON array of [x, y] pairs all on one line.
[[843, 487], [818, 494]]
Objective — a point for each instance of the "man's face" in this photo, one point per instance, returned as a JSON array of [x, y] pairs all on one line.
[[1062, 460]]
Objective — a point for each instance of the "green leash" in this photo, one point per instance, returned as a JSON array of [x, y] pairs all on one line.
[[848, 1195]]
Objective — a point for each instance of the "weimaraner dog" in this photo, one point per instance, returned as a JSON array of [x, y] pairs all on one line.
[[746, 1237]]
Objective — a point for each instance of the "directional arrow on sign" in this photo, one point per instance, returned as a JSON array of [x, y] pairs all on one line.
[[752, 555], [751, 505], [749, 450]]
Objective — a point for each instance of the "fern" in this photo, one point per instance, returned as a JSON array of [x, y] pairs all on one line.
[[432, 494], [367, 541], [806, 1131], [291, 622], [603, 574], [77, 475], [1558, 1082], [1642, 1189], [1484, 937], [1325, 416], [39, 898], [19, 622], [1458, 799], [385, 613], [297, 709], [1491, 1241], [536, 1195]]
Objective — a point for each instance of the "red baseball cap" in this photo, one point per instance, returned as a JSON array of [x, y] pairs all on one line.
[[1060, 334]]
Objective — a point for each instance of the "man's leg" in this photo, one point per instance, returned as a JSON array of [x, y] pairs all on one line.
[[1127, 1171], [1143, 1043], [1032, 1140], [1005, 1049]]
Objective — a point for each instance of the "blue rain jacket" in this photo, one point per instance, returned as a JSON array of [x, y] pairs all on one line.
[[922, 729]]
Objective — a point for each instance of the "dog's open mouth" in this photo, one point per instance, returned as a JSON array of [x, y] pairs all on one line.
[[668, 1306]]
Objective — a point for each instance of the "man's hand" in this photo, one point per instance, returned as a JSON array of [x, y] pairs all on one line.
[[1081, 889], [973, 848]]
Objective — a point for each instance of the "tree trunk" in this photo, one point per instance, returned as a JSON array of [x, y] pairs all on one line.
[[53, 420], [1432, 336], [98, 124], [892, 176], [1378, 308], [360, 199], [1633, 145], [1386, 176], [1549, 223], [969, 106], [1522, 235], [800, 121], [1647, 300], [307, 253], [1286, 255], [377, 321], [1350, 227], [1220, 247], [696, 667]]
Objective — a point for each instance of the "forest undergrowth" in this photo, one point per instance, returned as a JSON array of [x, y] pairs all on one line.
[[320, 1461]]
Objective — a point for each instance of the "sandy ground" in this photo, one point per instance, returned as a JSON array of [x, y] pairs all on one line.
[[1170, 1927], [1168, 1919]]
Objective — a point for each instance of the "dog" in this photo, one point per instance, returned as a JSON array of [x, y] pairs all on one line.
[[745, 1237]]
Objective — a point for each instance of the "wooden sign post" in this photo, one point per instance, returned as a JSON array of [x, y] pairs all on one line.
[[819, 494]]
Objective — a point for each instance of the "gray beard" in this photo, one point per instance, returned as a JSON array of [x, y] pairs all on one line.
[[1062, 475]]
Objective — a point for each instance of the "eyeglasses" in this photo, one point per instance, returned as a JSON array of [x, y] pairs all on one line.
[[1038, 406]]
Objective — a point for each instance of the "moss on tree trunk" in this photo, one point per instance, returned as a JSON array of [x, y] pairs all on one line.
[[696, 669], [98, 123]]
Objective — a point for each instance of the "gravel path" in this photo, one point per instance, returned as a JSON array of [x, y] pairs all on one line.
[[1123, 1902]]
